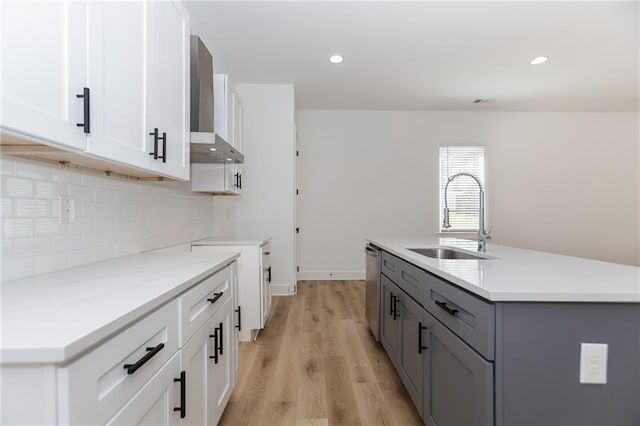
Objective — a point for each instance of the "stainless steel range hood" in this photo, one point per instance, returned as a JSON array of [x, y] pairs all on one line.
[[206, 146]]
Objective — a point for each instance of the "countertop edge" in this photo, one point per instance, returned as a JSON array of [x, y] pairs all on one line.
[[66, 354]]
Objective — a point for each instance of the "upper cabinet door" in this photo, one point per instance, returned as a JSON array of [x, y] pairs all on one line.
[[120, 75], [172, 32], [43, 69]]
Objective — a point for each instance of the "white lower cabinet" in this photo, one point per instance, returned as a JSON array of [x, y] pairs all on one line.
[[218, 179], [164, 369], [254, 283]]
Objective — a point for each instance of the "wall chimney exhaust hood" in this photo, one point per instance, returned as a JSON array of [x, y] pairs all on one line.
[[206, 146]]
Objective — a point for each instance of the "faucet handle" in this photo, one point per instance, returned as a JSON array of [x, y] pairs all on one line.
[[487, 234]]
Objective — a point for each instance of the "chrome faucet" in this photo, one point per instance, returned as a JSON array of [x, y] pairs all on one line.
[[483, 235]]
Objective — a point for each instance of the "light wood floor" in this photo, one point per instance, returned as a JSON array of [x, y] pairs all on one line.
[[316, 363]]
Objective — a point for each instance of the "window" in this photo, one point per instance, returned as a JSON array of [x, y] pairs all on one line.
[[462, 194]]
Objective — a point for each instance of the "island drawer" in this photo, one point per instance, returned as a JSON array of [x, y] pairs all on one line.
[[203, 300], [468, 316], [97, 385], [413, 280]]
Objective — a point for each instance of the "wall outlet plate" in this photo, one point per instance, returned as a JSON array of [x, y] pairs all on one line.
[[593, 363], [67, 209]]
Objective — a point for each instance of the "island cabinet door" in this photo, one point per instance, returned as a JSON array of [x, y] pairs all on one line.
[[412, 350], [458, 381], [389, 329]]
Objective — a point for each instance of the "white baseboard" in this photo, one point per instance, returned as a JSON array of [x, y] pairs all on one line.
[[331, 275]]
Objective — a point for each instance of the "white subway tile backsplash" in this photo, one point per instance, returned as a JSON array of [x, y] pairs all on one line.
[[104, 195], [17, 228], [50, 262], [17, 187], [93, 239], [6, 207], [81, 225], [113, 217], [65, 175], [89, 209], [30, 247], [92, 180], [49, 226], [106, 223], [33, 208], [33, 170], [8, 251], [66, 242], [7, 166], [14, 269], [81, 193], [50, 190]]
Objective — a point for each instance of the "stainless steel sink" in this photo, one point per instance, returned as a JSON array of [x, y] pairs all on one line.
[[445, 253]]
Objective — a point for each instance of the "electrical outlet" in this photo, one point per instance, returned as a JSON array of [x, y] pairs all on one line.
[[67, 209], [593, 363]]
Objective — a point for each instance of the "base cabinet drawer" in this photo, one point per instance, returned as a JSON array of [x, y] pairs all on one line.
[[202, 301], [94, 387], [158, 403]]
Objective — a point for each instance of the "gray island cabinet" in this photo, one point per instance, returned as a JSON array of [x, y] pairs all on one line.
[[466, 360]]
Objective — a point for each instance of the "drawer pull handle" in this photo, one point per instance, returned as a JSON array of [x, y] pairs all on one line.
[[394, 306], [221, 341], [269, 276], [214, 357], [151, 352], [444, 306], [420, 346], [86, 124], [216, 296], [267, 253], [183, 395], [239, 324]]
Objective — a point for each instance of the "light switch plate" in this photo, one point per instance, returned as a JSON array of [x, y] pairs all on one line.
[[67, 209], [593, 363]]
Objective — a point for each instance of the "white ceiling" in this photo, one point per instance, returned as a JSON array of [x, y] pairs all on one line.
[[431, 55]]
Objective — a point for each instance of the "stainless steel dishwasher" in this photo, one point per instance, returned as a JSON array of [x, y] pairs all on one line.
[[372, 289]]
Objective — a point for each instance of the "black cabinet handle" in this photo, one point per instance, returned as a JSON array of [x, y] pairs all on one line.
[[155, 143], [239, 325], [87, 110], [183, 394], [395, 307], [215, 345], [391, 304], [420, 329], [444, 306], [164, 147], [240, 176], [151, 352], [269, 274], [237, 176], [221, 339], [216, 296]]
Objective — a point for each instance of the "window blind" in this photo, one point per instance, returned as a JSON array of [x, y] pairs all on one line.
[[462, 195]]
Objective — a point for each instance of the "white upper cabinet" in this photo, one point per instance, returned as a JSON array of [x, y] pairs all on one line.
[[173, 67], [120, 73], [133, 57], [43, 69], [227, 111], [139, 65]]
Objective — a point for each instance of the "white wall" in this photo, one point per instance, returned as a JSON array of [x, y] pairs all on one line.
[[114, 217], [266, 207], [566, 183]]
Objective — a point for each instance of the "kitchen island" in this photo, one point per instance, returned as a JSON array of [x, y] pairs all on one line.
[[499, 340]]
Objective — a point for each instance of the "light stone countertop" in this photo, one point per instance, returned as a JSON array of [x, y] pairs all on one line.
[[53, 317], [223, 241], [520, 275]]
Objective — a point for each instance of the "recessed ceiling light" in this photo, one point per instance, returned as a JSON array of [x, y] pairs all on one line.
[[336, 59], [539, 60], [212, 149], [229, 159]]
